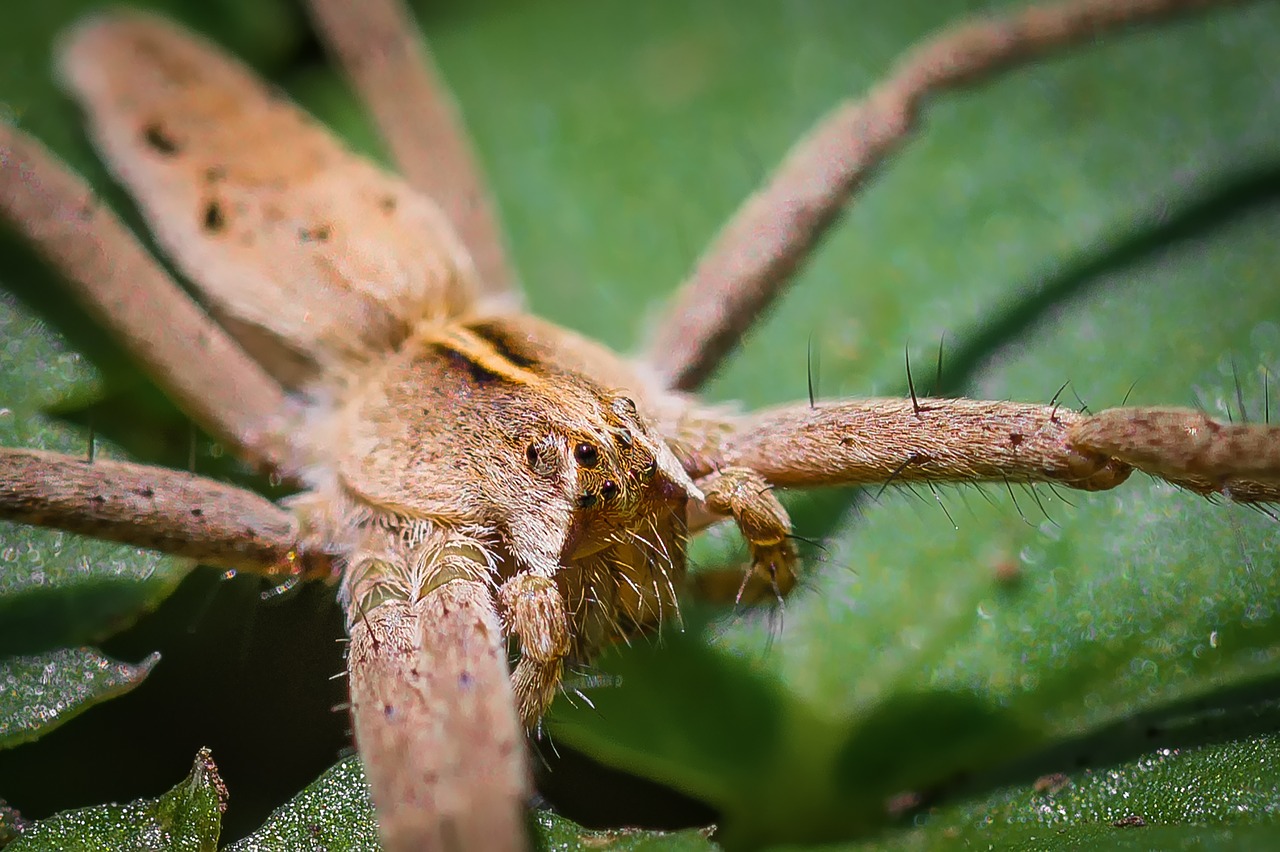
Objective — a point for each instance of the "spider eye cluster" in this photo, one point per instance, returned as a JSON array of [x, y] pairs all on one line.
[[612, 464]]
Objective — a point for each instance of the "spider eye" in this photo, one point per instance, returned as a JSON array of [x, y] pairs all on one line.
[[625, 406], [625, 439], [609, 489], [531, 455], [587, 454], [586, 500]]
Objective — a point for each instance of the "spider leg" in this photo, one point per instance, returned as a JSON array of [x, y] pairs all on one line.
[[535, 612], [154, 507], [389, 65], [744, 495], [434, 715], [435, 721], [113, 277], [961, 440], [1241, 461], [756, 255]]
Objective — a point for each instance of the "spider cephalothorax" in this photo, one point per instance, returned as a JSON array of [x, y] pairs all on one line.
[[575, 502]]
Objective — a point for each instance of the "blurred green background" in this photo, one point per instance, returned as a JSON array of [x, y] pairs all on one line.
[[1106, 219]]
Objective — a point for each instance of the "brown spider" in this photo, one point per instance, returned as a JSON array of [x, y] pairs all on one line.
[[473, 474]]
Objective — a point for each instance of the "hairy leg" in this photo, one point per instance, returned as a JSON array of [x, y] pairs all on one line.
[[435, 722], [154, 507], [1241, 461], [434, 715], [387, 61], [535, 612], [744, 495], [113, 277], [960, 440], [757, 253]]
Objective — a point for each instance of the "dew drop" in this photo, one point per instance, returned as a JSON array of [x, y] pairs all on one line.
[[1050, 530], [1264, 339]]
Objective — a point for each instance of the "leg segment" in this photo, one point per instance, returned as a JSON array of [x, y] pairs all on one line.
[[434, 717], [534, 611], [388, 64], [755, 256], [744, 495], [154, 507], [960, 440], [435, 723], [1238, 460], [188, 355]]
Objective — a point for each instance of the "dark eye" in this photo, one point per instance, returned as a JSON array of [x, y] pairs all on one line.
[[586, 500], [625, 406], [531, 455], [609, 489], [649, 470], [625, 439], [587, 454]]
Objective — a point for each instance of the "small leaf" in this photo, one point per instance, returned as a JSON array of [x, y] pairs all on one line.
[[188, 817], [40, 692], [333, 812], [551, 832]]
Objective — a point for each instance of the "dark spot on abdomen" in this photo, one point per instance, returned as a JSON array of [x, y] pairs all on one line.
[[158, 139], [215, 221]]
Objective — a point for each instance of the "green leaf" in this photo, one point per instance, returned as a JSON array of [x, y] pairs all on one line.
[[1222, 796], [40, 692], [188, 817], [335, 813], [332, 813], [551, 832], [1054, 226]]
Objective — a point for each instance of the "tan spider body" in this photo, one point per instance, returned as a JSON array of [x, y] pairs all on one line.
[[470, 474]]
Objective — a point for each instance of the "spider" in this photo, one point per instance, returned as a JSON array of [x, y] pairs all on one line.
[[476, 346]]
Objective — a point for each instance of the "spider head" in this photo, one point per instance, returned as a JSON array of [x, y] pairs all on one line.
[[616, 470]]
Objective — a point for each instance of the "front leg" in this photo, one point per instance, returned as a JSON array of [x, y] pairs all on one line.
[[431, 700], [744, 495], [534, 611]]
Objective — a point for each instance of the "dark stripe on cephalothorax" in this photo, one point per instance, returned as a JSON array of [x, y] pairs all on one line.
[[477, 372], [469, 352], [514, 347]]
